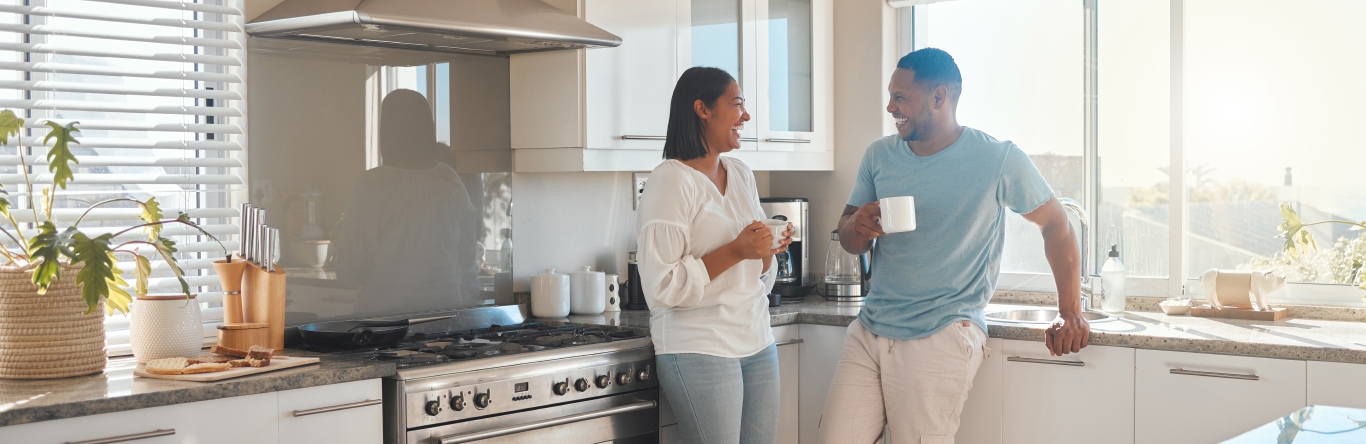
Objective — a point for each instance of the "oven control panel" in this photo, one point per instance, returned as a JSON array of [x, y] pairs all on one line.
[[501, 390]]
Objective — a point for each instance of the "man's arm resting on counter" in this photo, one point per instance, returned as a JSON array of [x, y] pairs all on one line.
[[1070, 332]]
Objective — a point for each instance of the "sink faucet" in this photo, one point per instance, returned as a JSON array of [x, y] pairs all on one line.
[[1074, 206]]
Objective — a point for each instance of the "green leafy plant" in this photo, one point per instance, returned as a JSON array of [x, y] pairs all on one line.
[[52, 249], [1342, 263]]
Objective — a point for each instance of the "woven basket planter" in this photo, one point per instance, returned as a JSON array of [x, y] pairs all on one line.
[[44, 336]]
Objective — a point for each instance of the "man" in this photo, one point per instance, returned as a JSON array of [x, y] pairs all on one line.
[[909, 360]]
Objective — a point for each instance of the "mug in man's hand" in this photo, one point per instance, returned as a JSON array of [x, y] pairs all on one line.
[[898, 214]]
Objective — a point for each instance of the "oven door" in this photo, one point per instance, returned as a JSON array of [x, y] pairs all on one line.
[[627, 418]]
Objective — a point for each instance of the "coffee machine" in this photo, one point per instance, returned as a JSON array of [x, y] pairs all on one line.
[[794, 270]]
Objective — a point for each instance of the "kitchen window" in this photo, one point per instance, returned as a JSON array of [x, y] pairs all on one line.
[[1257, 102], [157, 87]]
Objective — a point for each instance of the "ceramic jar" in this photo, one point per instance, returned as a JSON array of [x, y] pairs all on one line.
[[550, 294], [587, 291], [165, 326]]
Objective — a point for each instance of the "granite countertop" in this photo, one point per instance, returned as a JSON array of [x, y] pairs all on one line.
[[1301, 339], [116, 389]]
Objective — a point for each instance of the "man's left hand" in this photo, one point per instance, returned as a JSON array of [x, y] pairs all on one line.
[[1069, 334]]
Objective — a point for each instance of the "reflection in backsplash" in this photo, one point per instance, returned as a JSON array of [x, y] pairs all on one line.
[[386, 206]]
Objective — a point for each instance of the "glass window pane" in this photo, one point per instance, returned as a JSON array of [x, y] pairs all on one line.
[[716, 35], [1134, 108], [789, 65], [1022, 81], [1275, 103]]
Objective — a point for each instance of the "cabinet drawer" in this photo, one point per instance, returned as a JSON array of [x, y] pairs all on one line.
[[1067, 399], [337, 413], [1201, 398], [221, 421]]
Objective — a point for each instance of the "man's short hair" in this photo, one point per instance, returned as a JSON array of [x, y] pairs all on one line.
[[934, 67]]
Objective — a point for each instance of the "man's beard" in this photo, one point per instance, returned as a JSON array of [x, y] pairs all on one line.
[[920, 125]]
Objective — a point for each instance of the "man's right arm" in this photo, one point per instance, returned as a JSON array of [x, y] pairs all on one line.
[[858, 227]]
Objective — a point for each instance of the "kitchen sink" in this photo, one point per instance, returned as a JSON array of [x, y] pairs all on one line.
[[1040, 316]]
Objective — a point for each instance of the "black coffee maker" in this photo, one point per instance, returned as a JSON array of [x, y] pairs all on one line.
[[634, 296]]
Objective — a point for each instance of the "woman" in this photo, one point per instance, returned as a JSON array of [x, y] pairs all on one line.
[[706, 285]]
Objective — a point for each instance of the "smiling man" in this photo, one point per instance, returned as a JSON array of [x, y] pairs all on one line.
[[909, 360]]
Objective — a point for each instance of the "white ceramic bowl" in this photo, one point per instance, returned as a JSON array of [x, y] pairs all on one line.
[[1174, 309], [165, 326]]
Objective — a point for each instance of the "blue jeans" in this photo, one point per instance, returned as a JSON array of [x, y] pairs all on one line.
[[723, 400]]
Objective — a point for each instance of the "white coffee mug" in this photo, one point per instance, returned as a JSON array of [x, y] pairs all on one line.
[[777, 227], [898, 214]]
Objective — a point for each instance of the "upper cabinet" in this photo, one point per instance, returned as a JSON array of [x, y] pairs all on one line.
[[608, 109]]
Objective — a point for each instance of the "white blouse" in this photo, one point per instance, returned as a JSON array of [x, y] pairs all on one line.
[[682, 217]]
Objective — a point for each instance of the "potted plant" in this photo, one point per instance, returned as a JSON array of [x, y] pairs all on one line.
[[57, 288], [1344, 263]]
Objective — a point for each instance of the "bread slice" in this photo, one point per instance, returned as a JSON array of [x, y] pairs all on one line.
[[167, 366], [206, 368], [258, 362], [221, 350], [244, 362], [259, 352]]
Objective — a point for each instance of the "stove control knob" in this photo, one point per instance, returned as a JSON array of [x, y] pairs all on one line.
[[623, 378], [561, 388], [603, 381], [581, 385], [481, 400], [458, 403], [433, 408], [643, 375]]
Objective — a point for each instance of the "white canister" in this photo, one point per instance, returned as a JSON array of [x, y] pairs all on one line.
[[165, 326], [613, 302], [550, 294], [586, 290]]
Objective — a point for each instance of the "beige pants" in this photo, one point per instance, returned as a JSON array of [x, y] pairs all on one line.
[[915, 388]]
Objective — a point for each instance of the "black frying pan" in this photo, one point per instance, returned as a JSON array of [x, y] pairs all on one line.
[[357, 334]]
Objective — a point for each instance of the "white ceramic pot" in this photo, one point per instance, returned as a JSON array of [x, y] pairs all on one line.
[[550, 294], [165, 326], [613, 302], [586, 291]]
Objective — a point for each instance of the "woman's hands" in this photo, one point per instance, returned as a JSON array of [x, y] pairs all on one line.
[[755, 240]]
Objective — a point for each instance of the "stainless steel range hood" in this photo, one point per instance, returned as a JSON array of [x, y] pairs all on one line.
[[484, 27]]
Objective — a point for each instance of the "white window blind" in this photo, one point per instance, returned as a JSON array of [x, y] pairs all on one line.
[[157, 86]]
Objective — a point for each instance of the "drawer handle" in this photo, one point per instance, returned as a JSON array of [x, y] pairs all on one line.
[[546, 423], [354, 405], [126, 438], [788, 140], [638, 137], [749, 139], [1177, 371], [1046, 361], [792, 342]]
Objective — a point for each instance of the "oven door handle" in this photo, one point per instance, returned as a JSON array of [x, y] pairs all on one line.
[[468, 437]]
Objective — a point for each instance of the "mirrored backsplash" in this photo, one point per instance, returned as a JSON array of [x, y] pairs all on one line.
[[388, 202]]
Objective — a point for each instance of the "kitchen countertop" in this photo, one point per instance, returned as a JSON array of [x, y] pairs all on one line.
[[1315, 424], [116, 389]]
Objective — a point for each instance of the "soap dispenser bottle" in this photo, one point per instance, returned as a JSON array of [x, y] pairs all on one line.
[[1112, 278]]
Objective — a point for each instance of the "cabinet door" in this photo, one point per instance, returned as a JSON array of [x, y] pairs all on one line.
[[820, 352], [348, 413], [629, 87], [221, 421], [980, 422], [1086, 397], [720, 34], [1200, 398], [789, 361], [795, 74], [1337, 384]]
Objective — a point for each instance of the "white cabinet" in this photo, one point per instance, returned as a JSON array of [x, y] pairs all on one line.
[[1337, 384], [607, 109], [1084, 397], [233, 420], [349, 413], [820, 352], [1199, 398], [670, 435], [789, 342], [980, 422]]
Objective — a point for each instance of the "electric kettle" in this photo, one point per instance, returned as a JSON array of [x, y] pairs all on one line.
[[846, 274]]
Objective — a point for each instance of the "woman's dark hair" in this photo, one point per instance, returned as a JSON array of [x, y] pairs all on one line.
[[684, 140]]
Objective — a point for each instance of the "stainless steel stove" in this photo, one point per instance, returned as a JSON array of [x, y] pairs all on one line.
[[489, 377]]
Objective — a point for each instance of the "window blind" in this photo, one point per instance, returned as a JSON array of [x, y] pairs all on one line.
[[157, 86]]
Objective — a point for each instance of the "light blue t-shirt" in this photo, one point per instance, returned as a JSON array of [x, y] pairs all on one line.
[[946, 269]]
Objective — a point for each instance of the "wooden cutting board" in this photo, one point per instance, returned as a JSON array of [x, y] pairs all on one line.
[[276, 363]]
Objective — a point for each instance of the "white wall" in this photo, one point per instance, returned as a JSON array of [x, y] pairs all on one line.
[[865, 55]]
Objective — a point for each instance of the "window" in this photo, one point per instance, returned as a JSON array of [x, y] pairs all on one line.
[[1251, 117], [157, 88]]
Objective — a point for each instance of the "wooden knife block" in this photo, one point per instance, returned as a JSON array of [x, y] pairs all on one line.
[[263, 293]]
